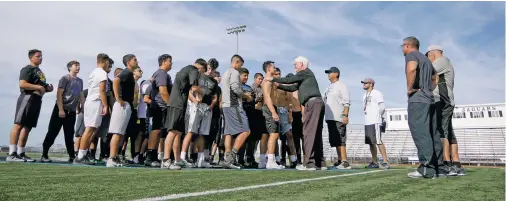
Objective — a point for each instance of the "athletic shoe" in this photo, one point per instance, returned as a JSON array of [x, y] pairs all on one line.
[[274, 166], [385, 166], [293, 165], [45, 159], [461, 172], [415, 174], [71, 160], [174, 166], [100, 161], [26, 158], [184, 164], [114, 162], [457, 171], [262, 165], [372, 165], [204, 164], [83, 161], [344, 166], [166, 164], [337, 163], [304, 168], [14, 157]]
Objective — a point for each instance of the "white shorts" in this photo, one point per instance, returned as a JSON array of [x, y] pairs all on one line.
[[92, 113], [119, 118], [199, 121]]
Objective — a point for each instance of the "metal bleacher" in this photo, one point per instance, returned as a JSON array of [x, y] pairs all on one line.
[[476, 146]]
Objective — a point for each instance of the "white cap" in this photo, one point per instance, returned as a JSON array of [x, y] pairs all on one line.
[[434, 47]]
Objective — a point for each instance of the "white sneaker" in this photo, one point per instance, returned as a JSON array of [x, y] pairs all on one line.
[[166, 164], [111, 162], [204, 164], [304, 168], [274, 166]]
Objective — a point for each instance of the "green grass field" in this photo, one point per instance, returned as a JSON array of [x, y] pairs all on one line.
[[71, 182]]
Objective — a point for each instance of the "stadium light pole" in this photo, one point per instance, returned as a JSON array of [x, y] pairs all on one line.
[[236, 30]]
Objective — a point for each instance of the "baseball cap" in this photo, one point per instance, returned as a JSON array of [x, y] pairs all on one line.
[[289, 75], [367, 80], [434, 47], [333, 70]]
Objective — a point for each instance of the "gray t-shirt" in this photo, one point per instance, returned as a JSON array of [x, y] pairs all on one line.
[[444, 88], [423, 78], [160, 78], [72, 88], [231, 88]]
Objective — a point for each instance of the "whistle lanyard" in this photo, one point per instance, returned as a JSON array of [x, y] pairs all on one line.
[[367, 94]]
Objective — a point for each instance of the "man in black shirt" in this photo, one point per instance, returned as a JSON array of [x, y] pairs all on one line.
[[199, 118], [314, 111], [186, 81], [160, 89], [33, 86], [123, 86], [216, 127]]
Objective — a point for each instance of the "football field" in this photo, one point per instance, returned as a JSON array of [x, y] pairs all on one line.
[[36, 181]]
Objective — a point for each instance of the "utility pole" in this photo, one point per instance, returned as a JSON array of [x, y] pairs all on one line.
[[236, 30]]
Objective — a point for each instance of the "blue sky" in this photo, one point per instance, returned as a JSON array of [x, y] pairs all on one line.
[[361, 38]]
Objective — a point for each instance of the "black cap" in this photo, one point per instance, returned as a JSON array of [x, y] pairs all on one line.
[[289, 75], [333, 70]]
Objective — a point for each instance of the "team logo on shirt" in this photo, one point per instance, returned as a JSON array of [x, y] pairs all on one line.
[[41, 75]]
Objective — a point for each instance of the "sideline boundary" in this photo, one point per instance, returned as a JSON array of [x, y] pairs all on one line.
[[211, 192]]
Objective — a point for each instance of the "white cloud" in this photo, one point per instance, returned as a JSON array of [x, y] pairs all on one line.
[[362, 39]]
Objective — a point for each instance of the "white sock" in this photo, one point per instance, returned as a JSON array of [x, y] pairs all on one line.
[[200, 157], [81, 153], [278, 159], [160, 155], [183, 155], [293, 158], [270, 158], [21, 150], [12, 148], [206, 153]]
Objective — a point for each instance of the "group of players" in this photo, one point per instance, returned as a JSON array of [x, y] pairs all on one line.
[[163, 119]]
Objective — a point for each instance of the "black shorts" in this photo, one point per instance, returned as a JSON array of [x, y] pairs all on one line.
[[132, 127], [337, 133], [175, 119], [220, 138], [28, 110], [272, 126], [444, 114], [374, 134], [257, 123], [297, 125], [215, 126], [158, 116], [143, 126]]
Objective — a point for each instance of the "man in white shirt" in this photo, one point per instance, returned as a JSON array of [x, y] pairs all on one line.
[[337, 106], [95, 106], [374, 109]]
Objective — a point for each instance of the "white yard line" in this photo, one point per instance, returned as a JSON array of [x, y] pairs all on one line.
[[185, 195]]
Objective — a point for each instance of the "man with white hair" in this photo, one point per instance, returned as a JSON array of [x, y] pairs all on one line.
[[314, 111], [443, 96]]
